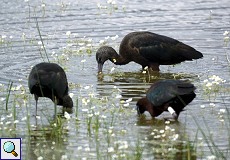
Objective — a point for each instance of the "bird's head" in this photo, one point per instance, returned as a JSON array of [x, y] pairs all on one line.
[[67, 101], [103, 54], [144, 104], [141, 105]]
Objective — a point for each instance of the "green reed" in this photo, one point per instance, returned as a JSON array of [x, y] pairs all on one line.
[[10, 84], [39, 32]]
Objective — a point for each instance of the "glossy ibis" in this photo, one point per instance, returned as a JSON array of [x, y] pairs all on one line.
[[49, 80], [147, 49], [167, 95]]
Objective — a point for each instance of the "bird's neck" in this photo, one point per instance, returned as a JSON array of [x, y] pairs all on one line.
[[154, 111]]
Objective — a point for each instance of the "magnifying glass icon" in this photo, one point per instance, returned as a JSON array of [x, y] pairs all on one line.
[[9, 147]]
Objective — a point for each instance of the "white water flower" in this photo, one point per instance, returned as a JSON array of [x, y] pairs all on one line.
[[87, 149], [126, 104], [24, 118], [43, 5], [103, 116], [202, 106], [68, 33], [37, 117], [167, 122], [109, 1], [122, 144], [110, 149], [118, 96], [102, 41], [98, 5], [226, 33], [83, 61], [129, 100], [157, 137], [67, 115], [212, 157], [167, 128], [40, 158], [63, 157], [16, 121], [90, 115], [212, 104], [175, 137], [222, 110], [226, 38], [112, 69], [107, 37], [162, 131], [81, 43], [39, 42], [85, 110], [10, 115], [8, 122], [113, 2], [208, 84], [86, 87], [71, 95], [79, 148], [115, 37]]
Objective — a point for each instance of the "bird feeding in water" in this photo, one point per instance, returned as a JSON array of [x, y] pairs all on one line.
[[167, 95], [49, 80], [147, 49]]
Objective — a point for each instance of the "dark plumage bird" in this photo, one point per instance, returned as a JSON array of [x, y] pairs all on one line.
[[167, 95], [49, 80], [147, 49]]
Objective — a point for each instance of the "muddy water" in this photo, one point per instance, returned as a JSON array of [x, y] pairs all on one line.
[[198, 23]]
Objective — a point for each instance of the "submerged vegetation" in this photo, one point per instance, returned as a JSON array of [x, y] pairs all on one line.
[[104, 124]]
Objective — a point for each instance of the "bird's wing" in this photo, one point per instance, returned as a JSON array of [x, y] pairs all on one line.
[[162, 49], [163, 91], [55, 80]]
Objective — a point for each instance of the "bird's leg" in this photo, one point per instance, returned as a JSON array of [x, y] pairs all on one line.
[[36, 103], [171, 111], [55, 106], [154, 66]]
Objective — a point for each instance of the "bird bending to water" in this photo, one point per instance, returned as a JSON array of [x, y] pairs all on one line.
[[167, 95], [49, 80], [147, 49]]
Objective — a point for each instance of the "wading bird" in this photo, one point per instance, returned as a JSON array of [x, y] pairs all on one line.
[[49, 80], [147, 49], [167, 95]]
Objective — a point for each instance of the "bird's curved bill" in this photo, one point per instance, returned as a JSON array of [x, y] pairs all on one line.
[[100, 66], [138, 111]]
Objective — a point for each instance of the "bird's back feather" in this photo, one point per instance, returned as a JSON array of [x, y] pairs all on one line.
[[163, 91]]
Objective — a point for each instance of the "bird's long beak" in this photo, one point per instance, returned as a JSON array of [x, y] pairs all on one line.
[[100, 66], [138, 111]]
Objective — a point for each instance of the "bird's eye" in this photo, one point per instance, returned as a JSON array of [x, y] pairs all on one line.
[[99, 60]]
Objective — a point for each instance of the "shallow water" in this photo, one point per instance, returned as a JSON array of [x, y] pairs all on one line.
[[198, 23]]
